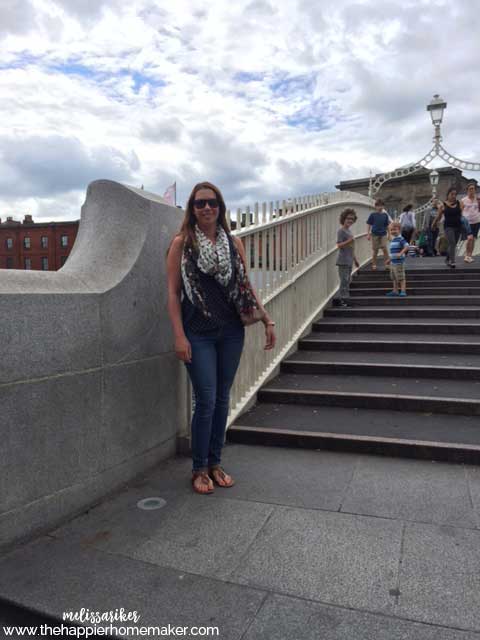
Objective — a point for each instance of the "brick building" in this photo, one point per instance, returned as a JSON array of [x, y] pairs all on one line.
[[43, 246]]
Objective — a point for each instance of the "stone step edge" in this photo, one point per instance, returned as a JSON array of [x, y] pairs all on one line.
[[350, 443], [375, 368], [433, 311], [428, 297], [443, 290], [421, 272], [395, 327], [433, 281], [347, 323], [353, 399], [392, 345]]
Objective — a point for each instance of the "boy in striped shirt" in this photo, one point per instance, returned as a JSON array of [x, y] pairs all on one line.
[[398, 249]]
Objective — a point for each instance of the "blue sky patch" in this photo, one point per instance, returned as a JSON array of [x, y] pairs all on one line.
[[285, 85], [73, 68], [317, 115], [245, 76], [22, 60]]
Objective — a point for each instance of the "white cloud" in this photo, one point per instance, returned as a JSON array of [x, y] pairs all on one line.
[[268, 99]]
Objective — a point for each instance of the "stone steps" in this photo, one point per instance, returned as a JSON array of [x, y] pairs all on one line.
[[417, 311], [378, 325], [413, 362], [430, 282], [380, 369], [419, 300], [398, 342], [383, 392], [415, 290]]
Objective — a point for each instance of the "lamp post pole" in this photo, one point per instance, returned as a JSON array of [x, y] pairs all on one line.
[[434, 177]]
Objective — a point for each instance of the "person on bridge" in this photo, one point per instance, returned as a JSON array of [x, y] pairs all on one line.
[[407, 222], [398, 248], [210, 299], [345, 258], [431, 234], [471, 211], [377, 231], [451, 210]]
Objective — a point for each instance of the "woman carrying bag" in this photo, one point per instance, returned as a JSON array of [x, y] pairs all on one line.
[[210, 300], [451, 210]]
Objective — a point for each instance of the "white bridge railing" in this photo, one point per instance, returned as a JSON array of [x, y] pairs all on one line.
[[291, 254]]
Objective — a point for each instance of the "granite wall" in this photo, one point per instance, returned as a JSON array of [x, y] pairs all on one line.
[[90, 390]]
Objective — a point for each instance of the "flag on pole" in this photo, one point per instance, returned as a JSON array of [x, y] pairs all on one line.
[[170, 194]]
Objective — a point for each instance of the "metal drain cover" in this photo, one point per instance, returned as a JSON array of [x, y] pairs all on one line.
[[148, 504]]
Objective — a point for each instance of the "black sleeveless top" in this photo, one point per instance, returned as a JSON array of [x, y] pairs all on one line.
[[217, 301], [453, 215]]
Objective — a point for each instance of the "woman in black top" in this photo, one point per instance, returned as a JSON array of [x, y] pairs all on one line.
[[451, 210], [210, 298]]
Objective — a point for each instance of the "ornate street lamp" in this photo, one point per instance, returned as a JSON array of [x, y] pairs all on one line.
[[436, 108]]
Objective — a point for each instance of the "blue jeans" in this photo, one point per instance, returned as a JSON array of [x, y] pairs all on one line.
[[215, 359]]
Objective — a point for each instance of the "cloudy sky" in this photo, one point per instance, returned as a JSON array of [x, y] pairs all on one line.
[[266, 98]]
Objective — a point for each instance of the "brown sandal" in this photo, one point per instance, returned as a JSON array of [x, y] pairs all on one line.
[[217, 473], [205, 480]]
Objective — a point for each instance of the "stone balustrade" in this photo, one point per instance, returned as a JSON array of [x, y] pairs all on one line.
[[90, 389]]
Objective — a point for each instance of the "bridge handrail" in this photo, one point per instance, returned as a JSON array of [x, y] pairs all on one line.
[[290, 250]]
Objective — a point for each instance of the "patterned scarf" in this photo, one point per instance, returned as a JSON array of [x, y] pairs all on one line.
[[215, 260]]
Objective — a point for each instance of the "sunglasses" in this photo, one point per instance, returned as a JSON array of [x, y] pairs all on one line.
[[202, 203]]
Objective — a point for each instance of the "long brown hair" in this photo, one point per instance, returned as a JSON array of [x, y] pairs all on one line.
[[189, 221]]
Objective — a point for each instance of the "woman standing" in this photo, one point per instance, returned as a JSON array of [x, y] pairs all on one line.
[[209, 301], [451, 210], [471, 211], [407, 222]]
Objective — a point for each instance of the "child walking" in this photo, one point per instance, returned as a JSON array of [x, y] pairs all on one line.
[[398, 249], [346, 257]]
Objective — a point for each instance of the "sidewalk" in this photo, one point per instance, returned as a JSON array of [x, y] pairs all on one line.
[[307, 545]]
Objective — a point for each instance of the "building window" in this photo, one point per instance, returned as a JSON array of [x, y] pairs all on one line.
[[63, 259], [9, 263], [64, 241], [9, 243], [28, 263], [26, 242], [44, 264], [44, 242]]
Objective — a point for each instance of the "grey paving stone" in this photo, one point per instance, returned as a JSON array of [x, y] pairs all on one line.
[[118, 525], [53, 576], [472, 475], [304, 478], [329, 557], [440, 576], [312, 479], [284, 618], [412, 490], [204, 535]]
